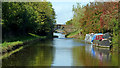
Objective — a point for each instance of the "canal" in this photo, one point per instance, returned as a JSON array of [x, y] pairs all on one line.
[[61, 52]]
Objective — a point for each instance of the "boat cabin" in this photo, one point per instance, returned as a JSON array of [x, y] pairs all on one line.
[[90, 37], [98, 39]]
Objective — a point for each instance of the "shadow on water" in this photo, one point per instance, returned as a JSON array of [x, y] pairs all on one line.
[[37, 54]]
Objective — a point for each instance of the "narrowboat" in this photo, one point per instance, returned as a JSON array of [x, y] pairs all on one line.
[[99, 39]]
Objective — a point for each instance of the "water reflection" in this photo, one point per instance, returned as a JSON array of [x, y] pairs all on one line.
[[62, 52], [93, 56], [37, 54], [59, 35]]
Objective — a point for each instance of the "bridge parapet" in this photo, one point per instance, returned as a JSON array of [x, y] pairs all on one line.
[[59, 26]]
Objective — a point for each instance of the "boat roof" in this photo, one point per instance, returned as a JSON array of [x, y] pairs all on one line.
[[99, 34], [96, 34]]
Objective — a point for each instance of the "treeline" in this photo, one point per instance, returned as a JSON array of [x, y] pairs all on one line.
[[22, 18], [96, 17]]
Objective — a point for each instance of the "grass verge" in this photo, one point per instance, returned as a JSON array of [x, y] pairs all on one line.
[[75, 34], [15, 43]]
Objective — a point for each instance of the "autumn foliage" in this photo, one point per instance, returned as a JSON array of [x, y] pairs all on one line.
[[96, 17]]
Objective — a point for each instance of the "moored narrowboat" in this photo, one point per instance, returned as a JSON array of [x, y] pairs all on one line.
[[99, 39]]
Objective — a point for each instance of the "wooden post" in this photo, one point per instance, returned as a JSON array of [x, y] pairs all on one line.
[[99, 30], [102, 31]]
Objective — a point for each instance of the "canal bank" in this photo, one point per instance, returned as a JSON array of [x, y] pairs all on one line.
[[8, 48], [113, 43]]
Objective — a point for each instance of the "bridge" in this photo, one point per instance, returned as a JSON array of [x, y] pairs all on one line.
[[63, 28], [59, 26]]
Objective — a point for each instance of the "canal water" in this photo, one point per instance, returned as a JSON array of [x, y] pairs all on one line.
[[61, 52]]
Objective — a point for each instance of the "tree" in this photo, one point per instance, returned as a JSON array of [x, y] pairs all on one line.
[[22, 18]]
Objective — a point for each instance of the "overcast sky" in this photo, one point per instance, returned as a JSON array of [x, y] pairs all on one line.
[[63, 11]]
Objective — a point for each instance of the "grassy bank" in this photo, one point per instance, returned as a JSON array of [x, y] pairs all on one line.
[[72, 34], [7, 46], [14, 43], [75, 34]]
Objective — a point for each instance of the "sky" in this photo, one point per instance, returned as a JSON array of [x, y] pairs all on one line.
[[63, 10]]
